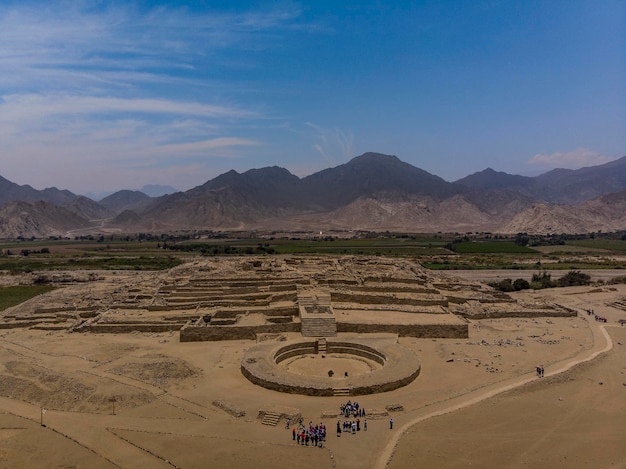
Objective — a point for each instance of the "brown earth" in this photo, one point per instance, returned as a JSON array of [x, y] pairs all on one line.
[[145, 399]]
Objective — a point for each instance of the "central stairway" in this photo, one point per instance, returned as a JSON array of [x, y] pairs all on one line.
[[319, 327], [317, 317]]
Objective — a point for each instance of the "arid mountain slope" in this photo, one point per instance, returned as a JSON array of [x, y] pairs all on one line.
[[559, 186], [606, 213], [370, 192], [39, 220]]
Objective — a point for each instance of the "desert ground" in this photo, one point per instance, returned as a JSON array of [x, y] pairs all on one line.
[[144, 399]]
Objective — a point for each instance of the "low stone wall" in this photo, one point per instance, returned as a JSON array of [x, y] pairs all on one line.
[[385, 299], [279, 319], [287, 296], [520, 314], [410, 281], [193, 332], [423, 331], [394, 289], [229, 408], [190, 333], [17, 325], [360, 350], [280, 311], [127, 328], [293, 350]]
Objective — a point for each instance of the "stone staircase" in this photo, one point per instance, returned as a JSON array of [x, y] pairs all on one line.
[[271, 418], [341, 391], [317, 318], [316, 326], [321, 345]]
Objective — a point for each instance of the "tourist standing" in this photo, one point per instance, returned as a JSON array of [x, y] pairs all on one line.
[[391, 423]]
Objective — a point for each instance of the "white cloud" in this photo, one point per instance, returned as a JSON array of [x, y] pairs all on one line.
[[97, 95], [334, 145], [578, 158], [205, 146], [17, 108]]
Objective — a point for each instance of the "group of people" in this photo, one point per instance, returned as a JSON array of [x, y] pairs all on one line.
[[351, 426], [540, 371], [353, 409], [596, 317], [315, 434]]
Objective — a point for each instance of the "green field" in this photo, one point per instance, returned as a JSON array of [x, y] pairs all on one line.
[[29, 256], [611, 245], [441, 251], [14, 295], [490, 247], [368, 246]]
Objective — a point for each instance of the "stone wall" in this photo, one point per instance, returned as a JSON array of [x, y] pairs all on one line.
[[386, 299], [360, 350], [126, 328], [190, 333], [259, 366], [293, 350], [423, 331], [280, 311], [520, 314]]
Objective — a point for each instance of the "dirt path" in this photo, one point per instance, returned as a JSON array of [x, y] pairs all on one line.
[[601, 343]]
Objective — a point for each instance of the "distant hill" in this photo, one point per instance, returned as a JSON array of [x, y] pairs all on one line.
[[38, 219], [370, 192], [559, 186], [372, 173], [11, 192], [488, 179], [605, 213], [88, 209], [124, 200], [155, 190]]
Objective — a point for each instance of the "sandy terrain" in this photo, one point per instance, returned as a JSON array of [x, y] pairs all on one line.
[[477, 401]]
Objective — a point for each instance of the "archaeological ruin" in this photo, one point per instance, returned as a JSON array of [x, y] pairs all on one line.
[[349, 311]]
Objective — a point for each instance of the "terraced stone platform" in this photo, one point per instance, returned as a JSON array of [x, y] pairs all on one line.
[[242, 297]]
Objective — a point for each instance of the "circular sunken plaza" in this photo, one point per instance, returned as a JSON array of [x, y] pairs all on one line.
[[350, 366]]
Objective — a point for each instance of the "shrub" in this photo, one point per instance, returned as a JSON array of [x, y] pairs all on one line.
[[505, 285], [521, 284], [573, 278], [542, 280]]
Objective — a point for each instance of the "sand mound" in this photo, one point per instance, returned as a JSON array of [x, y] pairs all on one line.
[[158, 370]]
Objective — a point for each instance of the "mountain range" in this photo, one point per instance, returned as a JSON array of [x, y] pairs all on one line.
[[370, 192]]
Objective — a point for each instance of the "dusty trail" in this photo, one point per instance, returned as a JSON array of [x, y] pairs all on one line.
[[601, 343]]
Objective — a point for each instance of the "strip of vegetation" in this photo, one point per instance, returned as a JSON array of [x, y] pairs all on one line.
[[543, 280], [489, 247], [14, 295], [16, 265], [144, 251]]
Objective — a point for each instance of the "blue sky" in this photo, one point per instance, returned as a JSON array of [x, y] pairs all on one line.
[[108, 95]]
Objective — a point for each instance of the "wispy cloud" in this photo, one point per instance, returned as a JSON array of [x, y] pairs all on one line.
[[31, 106], [205, 146], [334, 145], [95, 91], [578, 158], [84, 41]]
